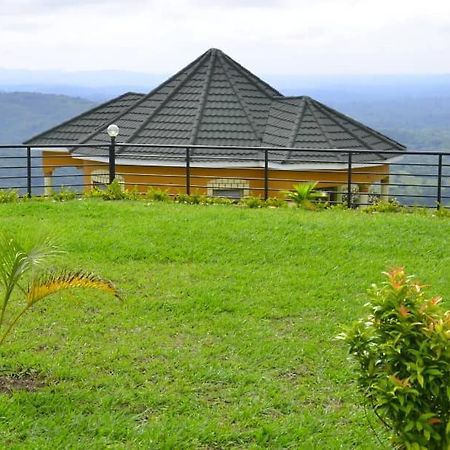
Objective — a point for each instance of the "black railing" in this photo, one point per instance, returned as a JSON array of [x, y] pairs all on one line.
[[419, 178]]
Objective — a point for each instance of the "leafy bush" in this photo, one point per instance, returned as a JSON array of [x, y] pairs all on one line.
[[157, 195], [443, 212], [274, 202], [220, 201], [193, 199], [64, 194], [402, 350], [9, 196], [113, 191], [391, 205], [252, 202]]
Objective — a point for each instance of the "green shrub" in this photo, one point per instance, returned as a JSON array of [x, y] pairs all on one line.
[[391, 205], [113, 191], [64, 194], [402, 350], [252, 202], [157, 195], [9, 196], [193, 199], [442, 212], [95, 192], [221, 201], [275, 202]]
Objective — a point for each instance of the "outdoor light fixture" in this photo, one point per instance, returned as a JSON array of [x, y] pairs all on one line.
[[113, 130]]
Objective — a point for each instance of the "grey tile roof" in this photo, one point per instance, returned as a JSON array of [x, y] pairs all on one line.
[[80, 127], [215, 101]]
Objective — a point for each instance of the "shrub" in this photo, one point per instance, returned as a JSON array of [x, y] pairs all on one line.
[[193, 199], [64, 194], [403, 356], [157, 195], [95, 192], [442, 212], [252, 202], [113, 191], [275, 202], [132, 194], [391, 205], [8, 196]]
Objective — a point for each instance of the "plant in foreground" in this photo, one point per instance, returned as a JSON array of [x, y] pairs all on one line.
[[402, 350], [9, 196], [303, 195], [19, 264]]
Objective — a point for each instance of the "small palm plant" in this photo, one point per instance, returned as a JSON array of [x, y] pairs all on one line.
[[303, 195], [19, 264]]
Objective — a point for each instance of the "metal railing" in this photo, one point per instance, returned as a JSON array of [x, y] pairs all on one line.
[[420, 178]]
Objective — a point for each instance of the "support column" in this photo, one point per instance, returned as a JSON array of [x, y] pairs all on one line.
[[340, 193], [384, 190], [87, 180], [363, 195], [48, 182]]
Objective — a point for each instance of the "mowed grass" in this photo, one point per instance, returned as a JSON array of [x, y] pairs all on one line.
[[226, 335]]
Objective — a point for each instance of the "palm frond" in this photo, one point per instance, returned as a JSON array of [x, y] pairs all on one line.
[[55, 282], [16, 260]]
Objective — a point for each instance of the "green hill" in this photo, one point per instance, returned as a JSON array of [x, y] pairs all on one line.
[[24, 114]]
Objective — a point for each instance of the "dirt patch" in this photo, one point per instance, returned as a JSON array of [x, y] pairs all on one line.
[[20, 382]]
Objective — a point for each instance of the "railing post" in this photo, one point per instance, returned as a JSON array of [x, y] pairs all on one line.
[[349, 181], [266, 174], [29, 172], [112, 159], [439, 184], [188, 171]]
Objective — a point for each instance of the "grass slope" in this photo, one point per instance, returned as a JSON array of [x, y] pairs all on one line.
[[225, 339]]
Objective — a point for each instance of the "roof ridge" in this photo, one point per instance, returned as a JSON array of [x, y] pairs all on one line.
[[359, 124], [345, 128], [240, 100], [147, 96], [330, 140], [199, 115], [296, 128], [252, 77], [84, 113], [163, 103]]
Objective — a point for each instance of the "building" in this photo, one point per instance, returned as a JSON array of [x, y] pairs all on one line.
[[214, 101]]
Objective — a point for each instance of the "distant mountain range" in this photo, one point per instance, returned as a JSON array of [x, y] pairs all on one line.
[[100, 85], [24, 114]]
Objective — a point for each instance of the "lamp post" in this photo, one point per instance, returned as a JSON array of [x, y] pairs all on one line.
[[113, 132]]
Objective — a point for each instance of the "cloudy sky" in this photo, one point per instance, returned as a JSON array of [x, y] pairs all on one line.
[[267, 36]]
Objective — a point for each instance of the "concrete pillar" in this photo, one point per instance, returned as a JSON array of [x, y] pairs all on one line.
[[363, 195], [340, 193], [48, 183], [384, 190]]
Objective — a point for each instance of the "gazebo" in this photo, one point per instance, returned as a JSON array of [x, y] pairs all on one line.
[[216, 102]]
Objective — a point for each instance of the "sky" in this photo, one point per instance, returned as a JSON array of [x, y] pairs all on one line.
[[267, 36]]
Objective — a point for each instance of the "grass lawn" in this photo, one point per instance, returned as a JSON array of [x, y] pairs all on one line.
[[226, 335]]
